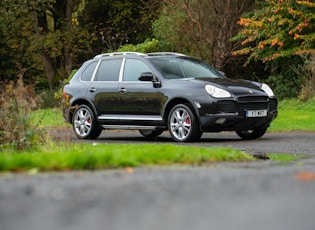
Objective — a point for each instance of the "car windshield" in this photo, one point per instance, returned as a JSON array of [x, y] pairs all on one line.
[[185, 67]]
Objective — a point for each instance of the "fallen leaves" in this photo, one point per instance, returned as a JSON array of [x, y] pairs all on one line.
[[305, 176]]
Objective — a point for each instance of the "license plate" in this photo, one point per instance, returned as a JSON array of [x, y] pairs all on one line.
[[256, 113]]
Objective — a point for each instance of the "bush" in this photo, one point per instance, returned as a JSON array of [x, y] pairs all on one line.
[[16, 128], [285, 85], [307, 72], [148, 46]]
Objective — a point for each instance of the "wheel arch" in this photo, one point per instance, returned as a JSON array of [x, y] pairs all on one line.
[[75, 104], [176, 101]]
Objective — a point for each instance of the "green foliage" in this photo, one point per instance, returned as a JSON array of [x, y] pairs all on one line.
[[279, 29], [118, 22], [285, 85], [148, 46], [93, 157]]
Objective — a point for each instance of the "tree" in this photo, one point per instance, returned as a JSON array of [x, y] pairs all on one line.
[[41, 35], [56, 35], [279, 29], [114, 23], [202, 28]]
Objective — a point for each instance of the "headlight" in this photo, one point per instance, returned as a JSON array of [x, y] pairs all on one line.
[[217, 92], [267, 90]]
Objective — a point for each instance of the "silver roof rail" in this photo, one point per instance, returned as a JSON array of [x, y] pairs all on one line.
[[119, 53], [165, 53]]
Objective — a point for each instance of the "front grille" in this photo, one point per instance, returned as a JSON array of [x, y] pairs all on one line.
[[253, 103], [253, 99], [254, 106]]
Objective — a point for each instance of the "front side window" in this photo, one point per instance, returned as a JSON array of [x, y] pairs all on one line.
[[108, 70], [133, 69], [185, 68]]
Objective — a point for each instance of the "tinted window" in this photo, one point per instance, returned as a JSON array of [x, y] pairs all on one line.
[[88, 72], [108, 70], [185, 68], [133, 69]]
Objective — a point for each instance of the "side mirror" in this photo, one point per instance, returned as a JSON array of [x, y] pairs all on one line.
[[146, 76]]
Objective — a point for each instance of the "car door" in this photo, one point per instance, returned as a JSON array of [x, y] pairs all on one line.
[[141, 102], [103, 90]]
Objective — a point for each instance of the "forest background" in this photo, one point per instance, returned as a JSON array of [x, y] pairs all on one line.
[[272, 41]]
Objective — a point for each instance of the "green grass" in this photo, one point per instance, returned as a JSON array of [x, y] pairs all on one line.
[[294, 115], [106, 156], [49, 118], [285, 157]]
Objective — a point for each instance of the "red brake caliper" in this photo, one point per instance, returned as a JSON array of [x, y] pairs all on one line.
[[188, 121]]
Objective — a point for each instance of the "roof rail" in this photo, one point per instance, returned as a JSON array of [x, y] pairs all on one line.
[[119, 53], [165, 53]]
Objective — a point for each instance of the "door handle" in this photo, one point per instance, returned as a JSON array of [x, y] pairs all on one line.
[[92, 89], [122, 90]]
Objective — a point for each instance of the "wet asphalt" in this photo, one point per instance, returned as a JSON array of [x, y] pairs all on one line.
[[256, 195]]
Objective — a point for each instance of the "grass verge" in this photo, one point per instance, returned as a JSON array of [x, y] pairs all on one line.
[[92, 157], [49, 118], [294, 115], [286, 157]]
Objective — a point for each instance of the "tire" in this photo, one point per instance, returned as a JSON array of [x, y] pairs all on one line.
[[150, 132], [84, 123], [182, 124], [252, 134]]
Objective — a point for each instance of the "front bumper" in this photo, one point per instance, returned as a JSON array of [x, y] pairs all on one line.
[[230, 115], [234, 122]]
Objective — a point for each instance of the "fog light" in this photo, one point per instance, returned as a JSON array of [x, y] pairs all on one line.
[[220, 121]]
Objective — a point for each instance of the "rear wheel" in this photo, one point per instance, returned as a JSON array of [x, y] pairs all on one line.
[[150, 132], [182, 124], [252, 134], [84, 123]]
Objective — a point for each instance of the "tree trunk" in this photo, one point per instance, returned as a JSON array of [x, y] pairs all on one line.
[[67, 52], [47, 61]]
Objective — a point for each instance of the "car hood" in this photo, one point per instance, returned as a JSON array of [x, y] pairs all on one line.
[[235, 86]]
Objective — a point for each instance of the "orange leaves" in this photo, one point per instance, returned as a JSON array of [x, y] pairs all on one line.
[[305, 176], [280, 29], [307, 3], [248, 22]]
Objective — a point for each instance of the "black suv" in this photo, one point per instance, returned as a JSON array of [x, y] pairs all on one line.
[[164, 91]]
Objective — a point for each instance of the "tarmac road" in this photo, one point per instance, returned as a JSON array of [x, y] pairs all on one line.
[[257, 196]]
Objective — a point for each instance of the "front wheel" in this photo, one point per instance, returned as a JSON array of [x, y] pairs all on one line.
[[84, 123], [252, 134], [182, 124]]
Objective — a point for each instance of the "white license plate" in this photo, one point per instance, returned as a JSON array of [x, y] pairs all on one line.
[[256, 113]]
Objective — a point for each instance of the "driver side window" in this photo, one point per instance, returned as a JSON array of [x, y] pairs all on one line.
[[133, 69]]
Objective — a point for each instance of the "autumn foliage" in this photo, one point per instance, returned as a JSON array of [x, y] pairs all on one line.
[[279, 28]]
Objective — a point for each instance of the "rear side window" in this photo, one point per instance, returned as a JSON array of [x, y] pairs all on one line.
[[88, 72], [108, 70]]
